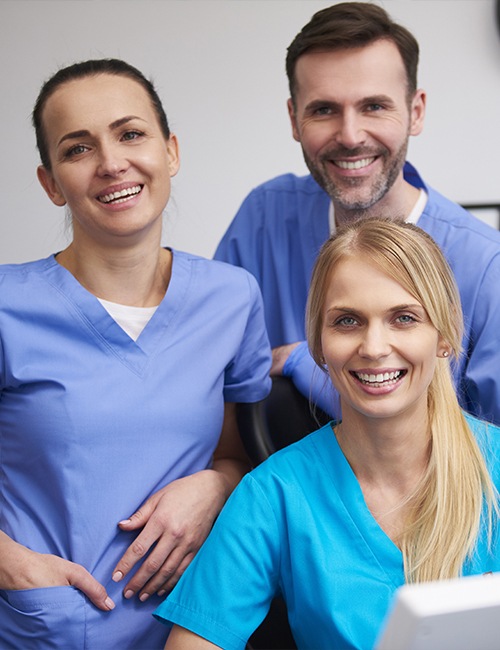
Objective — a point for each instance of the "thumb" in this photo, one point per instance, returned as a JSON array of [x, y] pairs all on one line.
[[85, 582]]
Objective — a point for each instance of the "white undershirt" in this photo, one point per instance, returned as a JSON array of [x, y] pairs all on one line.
[[413, 217], [131, 319]]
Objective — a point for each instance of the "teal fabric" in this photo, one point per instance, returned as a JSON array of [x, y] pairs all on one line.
[[299, 524]]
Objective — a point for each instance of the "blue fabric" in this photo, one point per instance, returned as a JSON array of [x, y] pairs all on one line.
[[299, 524], [93, 423], [277, 233]]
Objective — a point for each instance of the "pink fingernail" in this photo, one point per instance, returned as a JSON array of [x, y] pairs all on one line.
[[143, 597], [109, 603], [117, 576], [129, 593]]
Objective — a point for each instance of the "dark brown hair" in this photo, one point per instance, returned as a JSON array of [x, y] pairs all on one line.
[[91, 68], [350, 25]]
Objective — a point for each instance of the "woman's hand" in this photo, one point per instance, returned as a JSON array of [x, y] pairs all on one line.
[[177, 519], [21, 568]]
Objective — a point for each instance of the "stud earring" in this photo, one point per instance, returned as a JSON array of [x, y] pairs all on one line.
[[446, 353]]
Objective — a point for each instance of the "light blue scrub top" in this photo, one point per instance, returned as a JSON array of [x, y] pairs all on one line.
[[93, 423], [277, 234], [299, 524]]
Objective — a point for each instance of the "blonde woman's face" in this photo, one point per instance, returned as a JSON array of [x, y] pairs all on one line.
[[378, 343]]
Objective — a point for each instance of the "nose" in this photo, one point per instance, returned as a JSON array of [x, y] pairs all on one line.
[[111, 161], [350, 132], [375, 343]]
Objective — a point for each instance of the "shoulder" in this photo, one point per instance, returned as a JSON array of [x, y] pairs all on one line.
[[488, 439], [289, 184], [296, 460], [216, 274], [481, 428], [455, 229], [283, 192], [25, 273]]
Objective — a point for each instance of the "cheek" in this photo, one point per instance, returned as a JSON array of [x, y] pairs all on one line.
[[336, 351], [315, 136]]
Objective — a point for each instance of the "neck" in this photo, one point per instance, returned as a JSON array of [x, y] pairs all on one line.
[[397, 204], [385, 449], [137, 276], [389, 462]]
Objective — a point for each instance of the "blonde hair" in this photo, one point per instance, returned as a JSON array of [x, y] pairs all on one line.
[[443, 525]]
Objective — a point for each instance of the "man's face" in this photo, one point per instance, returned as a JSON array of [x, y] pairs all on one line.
[[353, 119]]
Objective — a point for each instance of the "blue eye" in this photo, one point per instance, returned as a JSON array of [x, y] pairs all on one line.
[[346, 321], [132, 135], [76, 150], [406, 319]]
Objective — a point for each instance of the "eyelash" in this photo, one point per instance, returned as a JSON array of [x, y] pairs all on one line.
[[341, 322], [73, 151], [134, 132]]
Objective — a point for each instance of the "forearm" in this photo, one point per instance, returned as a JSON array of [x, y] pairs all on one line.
[[311, 381], [231, 472]]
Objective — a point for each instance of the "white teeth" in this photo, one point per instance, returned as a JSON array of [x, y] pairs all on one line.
[[121, 196], [377, 380], [356, 164]]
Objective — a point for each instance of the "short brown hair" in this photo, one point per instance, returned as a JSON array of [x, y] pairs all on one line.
[[349, 25]]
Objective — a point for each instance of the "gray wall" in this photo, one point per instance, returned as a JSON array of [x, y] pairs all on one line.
[[219, 67]]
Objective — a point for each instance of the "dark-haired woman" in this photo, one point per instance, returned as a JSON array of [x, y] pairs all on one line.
[[120, 363]]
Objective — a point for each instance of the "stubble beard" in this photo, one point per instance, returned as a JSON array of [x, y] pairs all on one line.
[[346, 196]]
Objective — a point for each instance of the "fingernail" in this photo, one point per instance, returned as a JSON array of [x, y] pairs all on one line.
[[123, 521], [129, 593], [143, 597], [162, 592], [117, 576], [109, 603]]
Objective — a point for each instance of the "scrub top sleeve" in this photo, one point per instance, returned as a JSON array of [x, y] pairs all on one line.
[[247, 376], [226, 591], [482, 377], [311, 381], [243, 229]]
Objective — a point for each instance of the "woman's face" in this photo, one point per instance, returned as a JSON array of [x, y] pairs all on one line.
[[111, 163], [378, 342]]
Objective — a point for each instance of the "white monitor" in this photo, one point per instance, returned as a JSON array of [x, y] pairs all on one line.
[[461, 614]]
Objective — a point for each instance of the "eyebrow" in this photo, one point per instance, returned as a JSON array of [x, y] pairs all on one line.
[[83, 133], [348, 310]]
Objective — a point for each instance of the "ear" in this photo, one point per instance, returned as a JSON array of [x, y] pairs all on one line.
[[443, 348], [293, 120], [173, 155], [50, 186], [417, 112]]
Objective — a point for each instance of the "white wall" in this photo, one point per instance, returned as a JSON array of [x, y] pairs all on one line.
[[219, 68]]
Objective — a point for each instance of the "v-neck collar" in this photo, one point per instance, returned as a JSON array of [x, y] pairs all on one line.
[[387, 555], [134, 354]]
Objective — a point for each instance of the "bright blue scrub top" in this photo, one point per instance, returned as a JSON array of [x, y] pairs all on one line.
[[93, 423], [299, 524]]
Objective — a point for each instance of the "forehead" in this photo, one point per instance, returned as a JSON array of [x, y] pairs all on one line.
[[95, 100], [351, 73], [363, 285]]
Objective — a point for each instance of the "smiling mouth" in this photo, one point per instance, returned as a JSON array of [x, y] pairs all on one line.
[[121, 196], [354, 164], [380, 379]]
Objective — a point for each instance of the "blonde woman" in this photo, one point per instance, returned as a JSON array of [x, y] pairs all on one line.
[[402, 489]]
